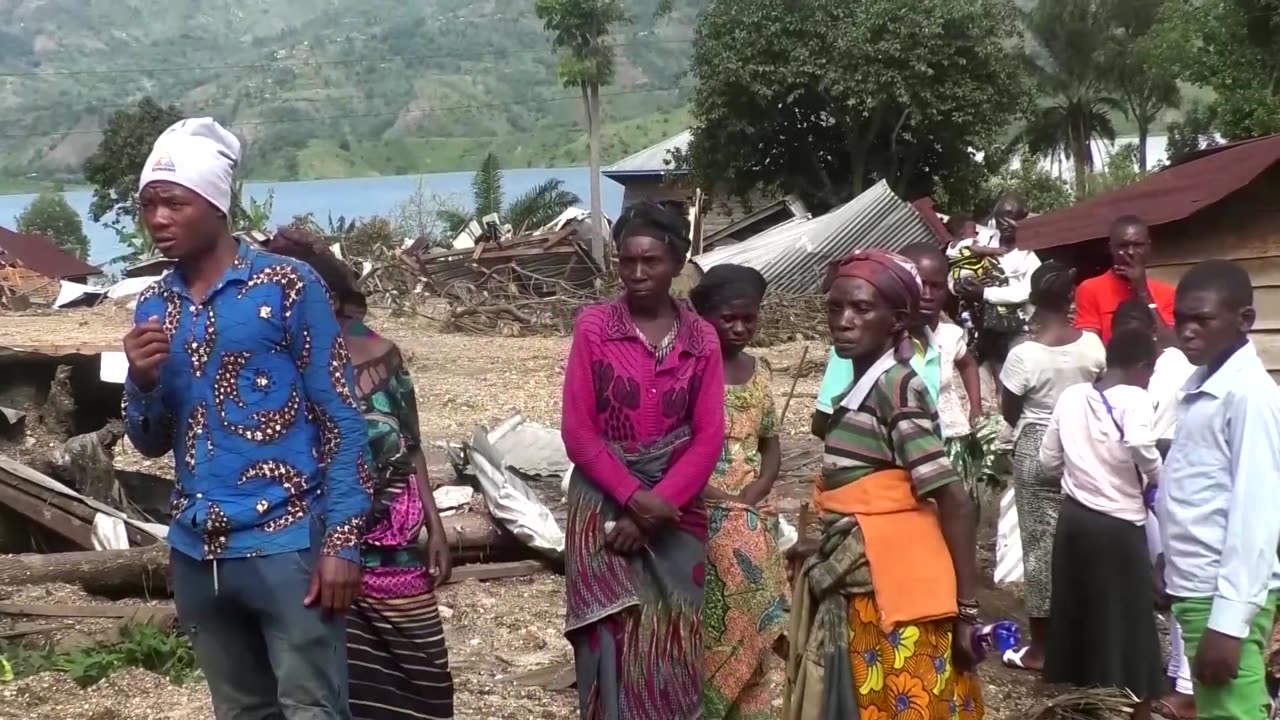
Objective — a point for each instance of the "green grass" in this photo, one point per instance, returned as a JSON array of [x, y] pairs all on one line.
[[142, 646]]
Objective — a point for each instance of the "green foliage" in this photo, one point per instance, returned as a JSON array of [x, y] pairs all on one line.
[[49, 214], [1144, 83], [140, 645], [1043, 190], [579, 30], [360, 237], [1232, 47], [1068, 60], [825, 97], [325, 88], [255, 216], [1121, 169], [538, 206], [114, 168], [1193, 132]]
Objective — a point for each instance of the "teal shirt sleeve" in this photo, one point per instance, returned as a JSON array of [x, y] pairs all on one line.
[[835, 382]]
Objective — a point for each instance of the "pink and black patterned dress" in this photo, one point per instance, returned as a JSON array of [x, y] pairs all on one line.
[[639, 416]]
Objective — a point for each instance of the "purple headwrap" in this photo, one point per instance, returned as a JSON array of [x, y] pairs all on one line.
[[893, 276]]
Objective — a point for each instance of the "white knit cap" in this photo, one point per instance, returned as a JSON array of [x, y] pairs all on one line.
[[198, 154]]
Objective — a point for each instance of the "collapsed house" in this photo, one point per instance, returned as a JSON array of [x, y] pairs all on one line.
[[33, 268]]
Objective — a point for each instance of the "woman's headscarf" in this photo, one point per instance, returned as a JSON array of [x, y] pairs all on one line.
[[894, 277]]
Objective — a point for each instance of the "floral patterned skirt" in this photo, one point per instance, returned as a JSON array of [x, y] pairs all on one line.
[[745, 612], [907, 674]]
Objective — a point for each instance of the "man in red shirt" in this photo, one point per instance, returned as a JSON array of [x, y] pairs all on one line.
[[1097, 298]]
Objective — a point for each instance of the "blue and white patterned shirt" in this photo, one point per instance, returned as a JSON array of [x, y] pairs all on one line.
[[255, 401]]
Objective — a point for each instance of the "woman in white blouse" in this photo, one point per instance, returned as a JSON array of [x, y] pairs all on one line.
[[1102, 632]]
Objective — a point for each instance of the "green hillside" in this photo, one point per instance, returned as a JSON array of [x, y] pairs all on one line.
[[326, 88]]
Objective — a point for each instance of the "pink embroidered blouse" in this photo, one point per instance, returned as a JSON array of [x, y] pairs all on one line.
[[617, 393]]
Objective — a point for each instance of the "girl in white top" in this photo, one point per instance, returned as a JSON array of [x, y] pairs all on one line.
[[1100, 439], [1034, 375]]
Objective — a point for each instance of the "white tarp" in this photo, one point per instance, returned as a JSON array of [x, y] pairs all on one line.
[[69, 292]]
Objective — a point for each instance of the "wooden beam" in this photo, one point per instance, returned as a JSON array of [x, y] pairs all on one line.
[[497, 571]]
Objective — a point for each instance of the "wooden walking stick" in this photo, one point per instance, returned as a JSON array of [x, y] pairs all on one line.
[[795, 380]]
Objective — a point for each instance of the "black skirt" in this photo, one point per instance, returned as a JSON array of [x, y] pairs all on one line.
[[1102, 625]]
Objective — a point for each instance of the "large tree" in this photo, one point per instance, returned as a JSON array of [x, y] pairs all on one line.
[[1233, 48], [114, 168], [580, 30], [1069, 42], [49, 214], [1145, 84], [825, 97]]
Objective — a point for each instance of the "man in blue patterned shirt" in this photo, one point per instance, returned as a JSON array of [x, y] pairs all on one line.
[[237, 365]]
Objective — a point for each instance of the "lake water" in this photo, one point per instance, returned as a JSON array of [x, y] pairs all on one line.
[[350, 197]]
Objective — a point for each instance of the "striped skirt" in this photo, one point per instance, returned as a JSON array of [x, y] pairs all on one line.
[[399, 668]]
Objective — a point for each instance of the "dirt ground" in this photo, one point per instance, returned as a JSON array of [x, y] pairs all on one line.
[[495, 630]]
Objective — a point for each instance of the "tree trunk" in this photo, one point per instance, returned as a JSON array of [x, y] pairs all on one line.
[[1143, 130], [143, 567], [1081, 155], [473, 537], [593, 138]]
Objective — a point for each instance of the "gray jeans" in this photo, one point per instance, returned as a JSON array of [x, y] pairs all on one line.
[[265, 655]]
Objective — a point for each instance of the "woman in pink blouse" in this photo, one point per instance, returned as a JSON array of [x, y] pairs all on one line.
[[644, 426]]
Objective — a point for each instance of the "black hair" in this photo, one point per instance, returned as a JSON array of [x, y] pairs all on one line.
[[1226, 279], [1131, 348], [338, 276], [1125, 222], [924, 250], [659, 221], [1133, 313], [956, 223], [1053, 287], [724, 284], [1013, 203]]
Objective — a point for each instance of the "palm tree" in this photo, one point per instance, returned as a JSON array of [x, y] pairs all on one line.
[[535, 208], [1068, 62]]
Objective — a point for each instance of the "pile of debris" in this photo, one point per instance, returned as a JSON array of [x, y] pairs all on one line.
[[72, 516]]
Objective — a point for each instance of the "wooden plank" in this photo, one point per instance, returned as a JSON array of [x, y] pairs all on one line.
[[53, 350], [157, 614], [47, 516], [1268, 344], [1264, 271], [552, 677], [24, 629], [497, 571]]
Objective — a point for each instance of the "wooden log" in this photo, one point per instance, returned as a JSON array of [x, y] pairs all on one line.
[[140, 567]]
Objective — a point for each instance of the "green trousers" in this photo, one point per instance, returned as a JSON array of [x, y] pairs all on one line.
[[1244, 698]]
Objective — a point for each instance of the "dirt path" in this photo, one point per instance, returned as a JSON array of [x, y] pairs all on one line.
[[496, 629]]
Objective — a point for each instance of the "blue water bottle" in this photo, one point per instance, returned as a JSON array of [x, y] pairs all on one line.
[[999, 636]]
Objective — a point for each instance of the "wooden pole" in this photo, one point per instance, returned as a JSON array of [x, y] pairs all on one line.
[[795, 380]]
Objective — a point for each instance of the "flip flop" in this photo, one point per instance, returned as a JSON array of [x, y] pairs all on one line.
[[1013, 658]]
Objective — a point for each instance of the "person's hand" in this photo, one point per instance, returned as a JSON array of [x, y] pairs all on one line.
[[147, 348], [439, 562], [1157, 584], [1136, 274], [650, 510], [976, 416], [1217, 660], [962, 655], [798, 553], [969, 289], [334, 585], [625, 537]]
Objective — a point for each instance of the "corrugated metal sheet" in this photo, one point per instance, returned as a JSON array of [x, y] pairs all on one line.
[[1169, 195], [653, 160], [40, 254], [793, 256]]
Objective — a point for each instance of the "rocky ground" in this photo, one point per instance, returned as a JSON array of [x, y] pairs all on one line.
[[495, 630]]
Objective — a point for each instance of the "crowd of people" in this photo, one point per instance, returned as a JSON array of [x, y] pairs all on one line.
[[1145, 431]]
